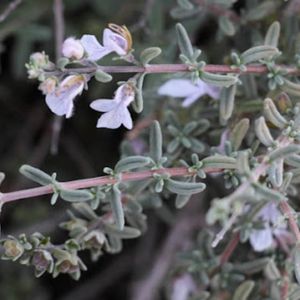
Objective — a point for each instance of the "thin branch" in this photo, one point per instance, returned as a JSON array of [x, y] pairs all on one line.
[[172, 68], [96, 181], [59, 38], [9, 9]]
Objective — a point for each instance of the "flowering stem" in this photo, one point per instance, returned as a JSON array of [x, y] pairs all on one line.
[[96, 181], [172, 68]]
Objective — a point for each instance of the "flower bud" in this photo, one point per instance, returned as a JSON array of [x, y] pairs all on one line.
[[39, 59], [94, 239], [72, 48], [42, 260], [13, 249], [48, 86]]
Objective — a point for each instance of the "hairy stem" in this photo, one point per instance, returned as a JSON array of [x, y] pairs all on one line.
[[172, 68], [96, 181]]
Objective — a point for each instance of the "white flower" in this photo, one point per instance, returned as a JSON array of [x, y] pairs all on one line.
[[274, 229], [115, 110], [185, 88], [183, 287], [61, 100], [117, 39], [72, 48]]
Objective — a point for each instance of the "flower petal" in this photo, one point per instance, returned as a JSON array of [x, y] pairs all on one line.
[[114, 42], [115, 118], [60, 101], [178, 88], [93, 48], [188, 101], [261, 240], [103, 105]]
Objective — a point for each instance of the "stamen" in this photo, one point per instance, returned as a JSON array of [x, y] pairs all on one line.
[[124, 32]]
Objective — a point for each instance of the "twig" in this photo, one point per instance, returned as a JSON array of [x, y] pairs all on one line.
[[96, 181], [9, 9], [173, 68], [59, 38], [231, 246]]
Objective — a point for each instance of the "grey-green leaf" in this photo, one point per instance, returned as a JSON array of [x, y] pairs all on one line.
[[36, 175], [244, 290], [155, 142], [258, 52], [219, 162], [149, 54], [227, 102], [238, 133], [132, 162], [117, 207], [75, 195], [272, 35], [218, 79], [184, 42], [102, 76], [184, 188]]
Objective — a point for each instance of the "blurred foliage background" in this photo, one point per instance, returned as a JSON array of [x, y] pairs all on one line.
[[26, 126]]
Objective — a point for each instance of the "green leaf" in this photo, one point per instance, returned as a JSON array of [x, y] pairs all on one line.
[[284, 152], [138, 103], [102, 76], [186, 4], [291, 87], [184, 42], [149, 54], [218, 79], [267, 193], [226, 25], [155, 142], [75, 195], [184, 188], [244, 290], [263, 133], [132, 162], [273, 115], [219, 162], [117, 207], [258, 12], [182, 200], [238, 133], [272, 35], [227, 102], [259, 52], [36, 175], [126, 233]]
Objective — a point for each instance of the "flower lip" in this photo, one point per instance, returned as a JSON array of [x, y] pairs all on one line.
[[124, 32]]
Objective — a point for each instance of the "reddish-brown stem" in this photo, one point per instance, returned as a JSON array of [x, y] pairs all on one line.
[[228, 251], [286, 209], [173, 68], [96, 181]]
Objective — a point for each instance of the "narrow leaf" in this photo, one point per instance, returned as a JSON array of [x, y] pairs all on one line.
[[132, 162], [259, 52], [155, 142], [218, 79], [102, 76], [36, 175], [284, 152], [117, 208], [244, 290], [263, 133], [272, 35], [273, 115], [227, 102], [238, 133], [184, 42], [184, 188], [219, 162], [75, 195], [149, 54]]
